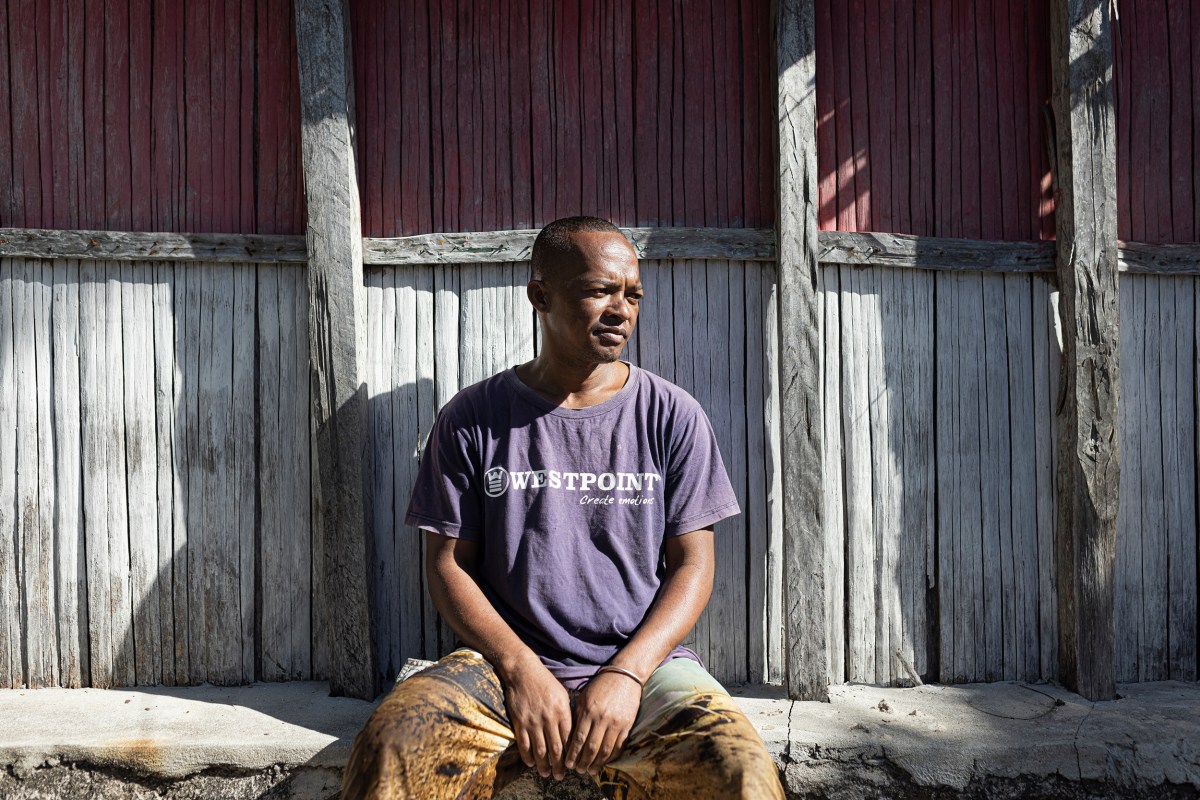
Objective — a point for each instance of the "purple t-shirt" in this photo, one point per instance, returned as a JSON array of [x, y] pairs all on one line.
[[571, 506]]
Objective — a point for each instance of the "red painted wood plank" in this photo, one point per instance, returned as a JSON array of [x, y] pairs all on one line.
[[73, 120], [698, 72], [827, 162], [1018, 52], [728, 67], [248, 219], [880, 39], [568, 155], [900, 60], [450, 99], [860, 116], [542, 134], [141, 162], [922, 146], [1041, 82], [1156, 83], [270, 206], [502, 176], [1141, 195], [163, 175], [847, 215], [626, 132], [646, 118], [1194, 41], [985, 100], [593, 94], [8, 202], [43, 101], [1008, 166], [1121, 104], [216, 199], [60, 67], [678, 121], [91, 211], [423, 221], [26, 165], [470, 120], [1183, 113], [401, 117], [970, 128]]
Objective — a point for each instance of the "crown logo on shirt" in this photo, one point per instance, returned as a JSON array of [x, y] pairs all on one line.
[[495, 481]]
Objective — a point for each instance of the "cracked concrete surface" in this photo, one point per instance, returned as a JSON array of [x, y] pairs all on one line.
[[290, 740]]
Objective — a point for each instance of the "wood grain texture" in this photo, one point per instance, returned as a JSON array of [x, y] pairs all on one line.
[[799, 363], [510, 114], [930, 119], [491, 247], [1089, 467], [139, 246], [149, 115], [337, 328], [11, 668]]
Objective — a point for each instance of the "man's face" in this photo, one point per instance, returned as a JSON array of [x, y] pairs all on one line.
[[589, 305]]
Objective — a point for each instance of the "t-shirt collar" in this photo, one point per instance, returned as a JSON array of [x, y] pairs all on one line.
[[619, 399]]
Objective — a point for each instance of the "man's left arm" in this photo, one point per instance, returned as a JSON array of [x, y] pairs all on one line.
[[606, 708]]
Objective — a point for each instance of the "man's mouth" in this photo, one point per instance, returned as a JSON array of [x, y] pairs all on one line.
[[611, 336]]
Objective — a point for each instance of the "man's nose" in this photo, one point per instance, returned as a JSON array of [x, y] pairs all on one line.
[[620, 307]]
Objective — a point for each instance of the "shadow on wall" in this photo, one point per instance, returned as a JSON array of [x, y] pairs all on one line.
[[161, 463], [939, 504]]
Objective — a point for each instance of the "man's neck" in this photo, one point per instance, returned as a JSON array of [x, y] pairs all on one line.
[[573, 385]]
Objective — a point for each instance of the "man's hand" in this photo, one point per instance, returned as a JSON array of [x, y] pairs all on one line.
[[604, 714], [540, 712]]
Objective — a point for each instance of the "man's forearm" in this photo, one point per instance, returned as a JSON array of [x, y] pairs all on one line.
[[466, 609], [684, 595]]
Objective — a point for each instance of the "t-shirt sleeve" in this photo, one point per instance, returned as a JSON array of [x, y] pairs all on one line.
[[698, 492], [445, 496]]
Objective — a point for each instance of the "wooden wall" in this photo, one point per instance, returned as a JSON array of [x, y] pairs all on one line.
[[477, 116], [153, 473], [470, 321], [1157, 539], [150, 115], [1156, 46], [931, 118]]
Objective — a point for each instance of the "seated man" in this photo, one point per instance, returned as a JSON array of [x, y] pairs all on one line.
[[568, 505]]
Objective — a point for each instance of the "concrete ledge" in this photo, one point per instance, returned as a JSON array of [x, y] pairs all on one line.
[[291, 740]]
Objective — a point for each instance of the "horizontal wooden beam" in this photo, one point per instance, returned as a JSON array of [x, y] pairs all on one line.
[[1159, 259], [489, 247], [933, 252], [837, 248], [141, 246]]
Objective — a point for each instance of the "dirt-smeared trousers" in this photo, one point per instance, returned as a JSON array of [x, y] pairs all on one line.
[[444, 733]]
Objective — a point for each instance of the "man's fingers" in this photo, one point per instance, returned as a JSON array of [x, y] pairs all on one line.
[[606, 751], [591, 748], [579, 736], [522, 737], [541, 752]]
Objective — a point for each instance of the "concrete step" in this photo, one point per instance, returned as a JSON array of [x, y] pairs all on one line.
[[290, 740]]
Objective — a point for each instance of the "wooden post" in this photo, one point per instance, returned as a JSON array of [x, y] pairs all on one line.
[[336, 339], [800, 351], [1088, 453]]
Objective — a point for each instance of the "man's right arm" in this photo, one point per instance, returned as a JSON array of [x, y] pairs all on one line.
[[537, 704]]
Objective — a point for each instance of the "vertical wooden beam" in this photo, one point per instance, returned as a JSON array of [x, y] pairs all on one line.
[[1088, 453], [337, 330], [799, 363]]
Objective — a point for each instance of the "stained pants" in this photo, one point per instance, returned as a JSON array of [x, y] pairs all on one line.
[[444, 733]]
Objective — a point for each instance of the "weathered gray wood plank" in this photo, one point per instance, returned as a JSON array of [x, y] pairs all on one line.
[[946, 373], [70, 567], [834, 521], [243, 469], [121, 600], [163, 313], [381, 347], [800, 381], [1086, 258], [933, 252], [1045, 368], [401, 333], [1151, 533], [1022, 628], [137, 348], [496, 247], [860, 546], [995, 480], [447, 311], [196, 314], [1159, 259], [1127, 567], [274, 565], [427, 407], [337, 343], [11, 670], [754, 410], [142, 246], [295, 439], [1182, 488], [95, 434]]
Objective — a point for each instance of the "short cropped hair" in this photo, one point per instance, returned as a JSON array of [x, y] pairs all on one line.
[[554, 243]]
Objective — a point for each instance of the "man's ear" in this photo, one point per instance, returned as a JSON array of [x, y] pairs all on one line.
[[539, 294]]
